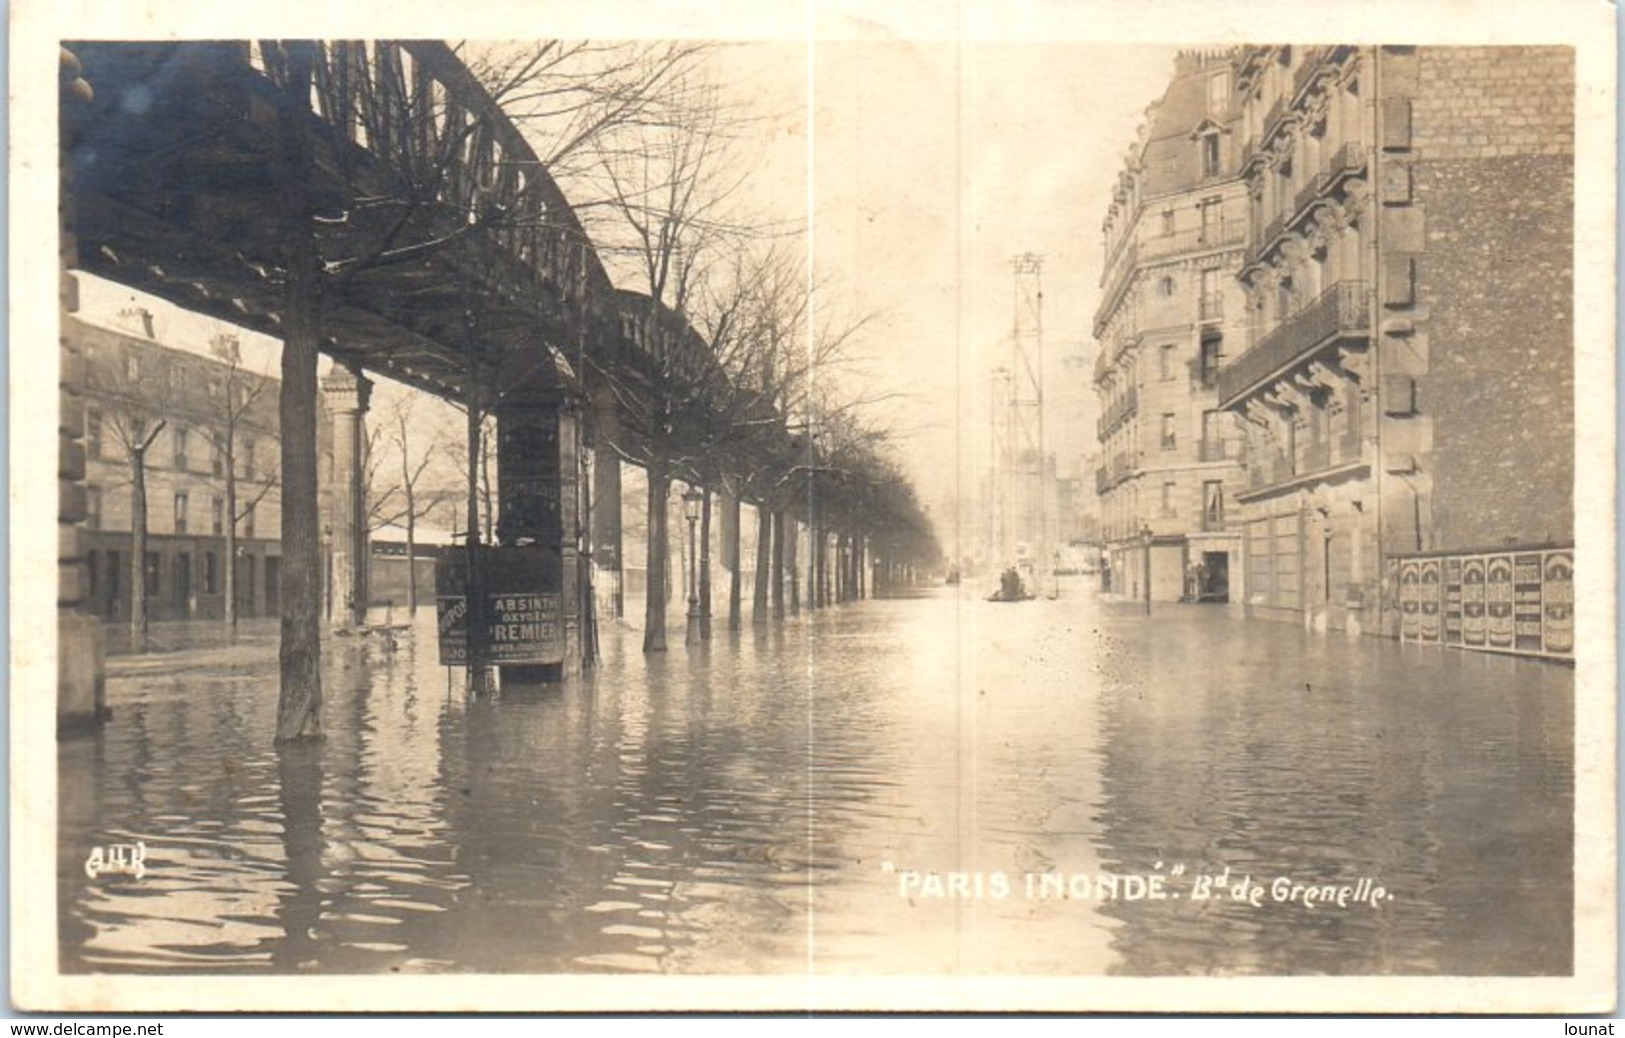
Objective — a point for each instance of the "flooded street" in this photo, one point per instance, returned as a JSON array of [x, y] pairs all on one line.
[[930, 785]]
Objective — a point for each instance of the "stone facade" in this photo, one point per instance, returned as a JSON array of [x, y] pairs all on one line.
[[131, 383], [1174, 235], [1408, 385]]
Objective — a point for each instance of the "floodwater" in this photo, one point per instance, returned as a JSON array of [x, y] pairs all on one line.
[[930, 785]]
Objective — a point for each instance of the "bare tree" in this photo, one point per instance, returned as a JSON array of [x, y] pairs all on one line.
[[403, 499], [136, 394], [237, 396], [440, 184]]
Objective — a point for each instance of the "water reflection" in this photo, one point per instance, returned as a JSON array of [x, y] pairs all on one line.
[[776, 802]]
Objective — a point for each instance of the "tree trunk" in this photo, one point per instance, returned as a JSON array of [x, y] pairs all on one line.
[[812, 562], [792, 576], [138, 548], [777, 581], [476, 677], [705, 567], [229, 522], [411, 526], [654, 599], [764, 564], [411, 558], [299, 708], [730, 554]]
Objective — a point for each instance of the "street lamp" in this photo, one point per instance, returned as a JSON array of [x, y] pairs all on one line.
[[691, 511], [1145, 534]]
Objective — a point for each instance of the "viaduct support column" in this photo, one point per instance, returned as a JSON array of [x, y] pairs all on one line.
[[606, 502], [535, 579], [347, 392], [81, 669]]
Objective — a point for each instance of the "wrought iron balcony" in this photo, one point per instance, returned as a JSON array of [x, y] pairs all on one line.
[[1314, 62], [1119, 410], [1312, 189], [1194, 239], [1260, 244], [1342, 311], [1272, 120]]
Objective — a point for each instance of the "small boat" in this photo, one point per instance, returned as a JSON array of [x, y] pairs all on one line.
[[1011, 588]]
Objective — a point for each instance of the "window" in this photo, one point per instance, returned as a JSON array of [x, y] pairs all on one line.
[[1212, 212], [214, 388], [1218, 91], [132, 367], [1167, 222], [248, 522], [1169, 440], [1166, 360], [149, 576], [93, 508], [217, 517], [1212, 351], [1213, 504], [248, 458], [180, 512], [1169, 489], [211, 573], [217, 457], [93, 433], [1165, 287], [1210, 155], [180, 447], [93, 572], [1212, 298]]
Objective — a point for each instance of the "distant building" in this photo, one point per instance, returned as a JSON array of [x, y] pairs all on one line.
[[132, 384], [1407, 381], [1171, 308]]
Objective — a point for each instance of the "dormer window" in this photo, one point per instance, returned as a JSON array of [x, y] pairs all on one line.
[[1211, 165]]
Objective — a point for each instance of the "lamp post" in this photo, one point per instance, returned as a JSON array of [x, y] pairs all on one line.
[[691, 511], [1145, 534]]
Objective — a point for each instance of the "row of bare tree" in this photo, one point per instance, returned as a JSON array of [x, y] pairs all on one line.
[[653, 156]]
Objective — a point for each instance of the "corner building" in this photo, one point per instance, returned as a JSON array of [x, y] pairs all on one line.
[[1171, 305], [1407, 387]]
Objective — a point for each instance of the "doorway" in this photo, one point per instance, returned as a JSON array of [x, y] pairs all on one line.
[[1214, 580]]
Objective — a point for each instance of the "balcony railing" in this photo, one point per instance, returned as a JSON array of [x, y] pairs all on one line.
[[1272, 230], [1312, 189], [1117, 411], [1273, 118], [1194, 239], [1314, 60], [1122, 464], [1342, 311], [1212, 308]]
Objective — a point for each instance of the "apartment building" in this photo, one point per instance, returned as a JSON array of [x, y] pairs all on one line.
[[1175, 235], [1406, 389]]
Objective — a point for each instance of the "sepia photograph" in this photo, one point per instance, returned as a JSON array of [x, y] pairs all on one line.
[[934, 506]]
